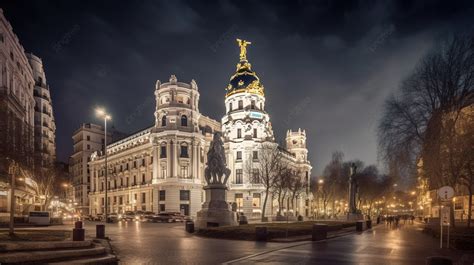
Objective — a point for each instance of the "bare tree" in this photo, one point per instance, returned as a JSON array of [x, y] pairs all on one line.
[[420, 121], [266, 169]]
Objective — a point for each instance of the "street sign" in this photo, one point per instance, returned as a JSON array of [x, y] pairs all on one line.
[[445, 216], [445, 193]]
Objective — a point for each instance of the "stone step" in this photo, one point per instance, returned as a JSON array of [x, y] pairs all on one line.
[[107, 259], [42, 245], [49, 255]]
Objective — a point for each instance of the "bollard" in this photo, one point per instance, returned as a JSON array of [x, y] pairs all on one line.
[[78, 234], [359, 226], [189, 226], [261, 233], [78, 224], [438, 261], [320, 232], [369, 224], [100, 231]]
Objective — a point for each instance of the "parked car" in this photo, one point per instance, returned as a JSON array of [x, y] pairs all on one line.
[[164, 217], [148, 216], [99, 217], [178, 217], [113, 217], [128, 216]]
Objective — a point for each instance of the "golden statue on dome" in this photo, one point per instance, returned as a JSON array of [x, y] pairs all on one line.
[[243, 49]]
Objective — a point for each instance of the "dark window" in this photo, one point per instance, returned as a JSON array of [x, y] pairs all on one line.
[[162, 195], [163, 121], [241, 104], [134, 180], [88, 138], [184, 120], [255, 176], [184, 151], [134, 164], [239, 133], [255, 155], [143, 162], [261, 105], [254, 133], [162, 208], [239, 155], [143, 178], [143, 197], [184, 195], [230, 106], [238, 176], [252, 104], [163, 151]]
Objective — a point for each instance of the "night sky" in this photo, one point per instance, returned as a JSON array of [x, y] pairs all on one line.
[[327, 66]]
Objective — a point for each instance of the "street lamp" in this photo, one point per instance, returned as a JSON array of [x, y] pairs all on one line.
[[101, 113]]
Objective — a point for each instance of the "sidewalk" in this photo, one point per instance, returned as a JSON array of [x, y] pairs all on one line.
[[405, 244]]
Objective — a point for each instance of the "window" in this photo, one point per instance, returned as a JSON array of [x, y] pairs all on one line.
[[163, 151], [239, 155], [230, 106], [239, 133], [252, 104], [88, 137], [1, 37], [239, 200], [255, 133], [88, 147], [143, 162], [162, 208], [143, 178], [238, 176], [121, 168], [126, 181], [255, 176], [143, 197], [120, 200], [134, 180], [184, 195], [256, 200], [162, 195], [184, 151], [241, 104], [255, 155], [163, 121], [184, 172], [134, 164], [261, 105], [184, 120]]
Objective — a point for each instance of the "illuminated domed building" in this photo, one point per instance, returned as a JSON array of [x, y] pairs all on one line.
[[246, 127]]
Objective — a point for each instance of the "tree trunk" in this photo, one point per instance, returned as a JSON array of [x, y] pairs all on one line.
[[265, 204], [469, 208]]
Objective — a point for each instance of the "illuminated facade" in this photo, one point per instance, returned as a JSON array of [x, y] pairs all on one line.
[[161, 168], [245, 127]]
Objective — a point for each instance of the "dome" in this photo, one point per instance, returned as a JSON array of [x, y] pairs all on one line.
[[244, 80]]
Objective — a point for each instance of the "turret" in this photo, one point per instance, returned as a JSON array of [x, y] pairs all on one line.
[[296, 144]]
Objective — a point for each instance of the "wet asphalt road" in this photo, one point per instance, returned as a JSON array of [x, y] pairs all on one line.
[[162, 243]]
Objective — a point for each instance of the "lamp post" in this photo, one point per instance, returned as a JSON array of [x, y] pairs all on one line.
[[101, 113]]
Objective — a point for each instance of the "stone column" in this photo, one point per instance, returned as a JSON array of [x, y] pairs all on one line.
[[156, 163], [169, 170]]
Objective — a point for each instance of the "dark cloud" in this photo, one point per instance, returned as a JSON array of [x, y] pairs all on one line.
[[327, 66]]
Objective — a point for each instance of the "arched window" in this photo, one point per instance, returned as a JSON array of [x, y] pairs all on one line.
[[184, 120], [163, 121]]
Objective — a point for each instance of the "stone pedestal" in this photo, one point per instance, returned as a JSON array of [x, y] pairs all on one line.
[[355, 217], [215, 211]]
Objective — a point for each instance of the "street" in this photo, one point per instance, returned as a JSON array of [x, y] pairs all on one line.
[[168, 243]]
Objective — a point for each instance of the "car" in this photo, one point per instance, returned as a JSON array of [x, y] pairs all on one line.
[[139, 215], [99, 217], [113, 217], [178, 217], [128, 216], [148, 216], [164, 217]]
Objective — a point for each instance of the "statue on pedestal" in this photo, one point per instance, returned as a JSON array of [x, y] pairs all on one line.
[[354, 213], [215, 210]]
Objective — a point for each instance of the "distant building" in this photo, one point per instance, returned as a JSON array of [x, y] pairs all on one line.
[[45, 126], [160, 168], [87, 139]]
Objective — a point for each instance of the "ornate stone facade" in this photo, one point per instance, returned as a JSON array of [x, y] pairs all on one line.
[[160, 168]]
